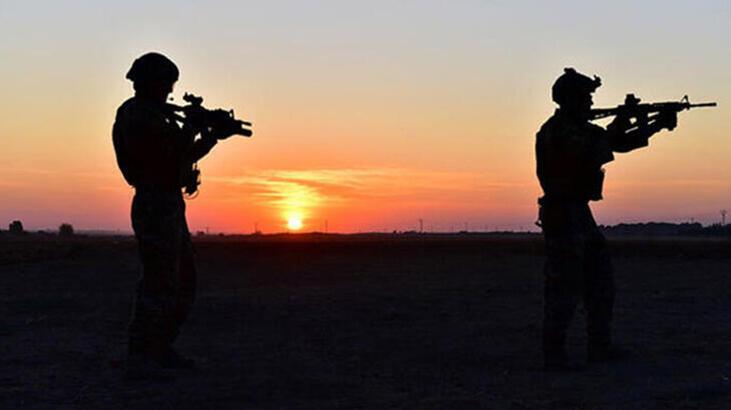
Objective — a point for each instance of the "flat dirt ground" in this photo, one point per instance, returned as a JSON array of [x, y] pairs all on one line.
[[391, 322]]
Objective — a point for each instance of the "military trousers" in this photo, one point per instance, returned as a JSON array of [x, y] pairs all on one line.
[[166, 287], [577, 268]]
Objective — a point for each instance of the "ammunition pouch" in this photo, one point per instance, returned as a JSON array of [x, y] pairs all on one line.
[[191, 180], [596, 186], [556, 214]]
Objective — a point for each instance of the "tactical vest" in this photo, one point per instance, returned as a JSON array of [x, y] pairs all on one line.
[[569, 158]]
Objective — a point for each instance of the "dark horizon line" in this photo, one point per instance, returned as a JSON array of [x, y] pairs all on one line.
[[652, 228]]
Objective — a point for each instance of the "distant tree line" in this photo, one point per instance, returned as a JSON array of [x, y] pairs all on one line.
[[624, 229], [65, 230], [666, 229], [16, 227]]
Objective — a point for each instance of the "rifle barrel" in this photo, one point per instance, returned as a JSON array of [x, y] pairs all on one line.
[[599, 113], [710, 104]]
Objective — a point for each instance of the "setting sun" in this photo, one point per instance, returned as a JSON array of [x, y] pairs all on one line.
[[294, 223]]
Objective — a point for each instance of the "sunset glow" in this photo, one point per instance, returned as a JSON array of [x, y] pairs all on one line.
[[368, 116], [294, 223]]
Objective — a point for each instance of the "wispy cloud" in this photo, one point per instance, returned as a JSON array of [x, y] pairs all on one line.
[[333, 187], [50, 180]]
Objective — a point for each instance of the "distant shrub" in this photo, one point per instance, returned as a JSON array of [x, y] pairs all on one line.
[[66, 230], [16, 227]]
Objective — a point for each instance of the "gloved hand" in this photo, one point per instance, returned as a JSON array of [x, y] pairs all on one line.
[[668, 120], [217, 133], [230, 129]]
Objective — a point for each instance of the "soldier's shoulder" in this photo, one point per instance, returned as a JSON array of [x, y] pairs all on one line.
[[127, 105], [136, 110], [129, 109], [550, 127], [134, 105]]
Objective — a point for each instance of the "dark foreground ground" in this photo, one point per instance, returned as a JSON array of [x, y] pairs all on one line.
[[408, 323]]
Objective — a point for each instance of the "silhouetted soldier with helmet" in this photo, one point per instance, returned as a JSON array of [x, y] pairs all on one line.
[[570, 154], [155, 155]]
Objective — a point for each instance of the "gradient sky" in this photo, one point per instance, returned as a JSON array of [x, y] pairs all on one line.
[[368, 115]]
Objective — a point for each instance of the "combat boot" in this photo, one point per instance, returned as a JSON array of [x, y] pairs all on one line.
[[173, 360], [606, 354], [141, 368], [556, 360]]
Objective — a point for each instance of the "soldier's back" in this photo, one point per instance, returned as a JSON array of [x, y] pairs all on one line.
[[148, 144]]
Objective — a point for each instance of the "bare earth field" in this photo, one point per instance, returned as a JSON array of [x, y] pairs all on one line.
[[313, 322]]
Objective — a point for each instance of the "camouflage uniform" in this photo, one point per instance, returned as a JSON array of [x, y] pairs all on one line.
[[153, 154], [570, 155]]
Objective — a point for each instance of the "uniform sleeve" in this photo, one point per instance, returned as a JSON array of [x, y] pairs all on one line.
[[200, 148], [622, 141], [601, 148]]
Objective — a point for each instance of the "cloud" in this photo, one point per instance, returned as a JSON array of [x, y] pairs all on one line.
[[287, 189]]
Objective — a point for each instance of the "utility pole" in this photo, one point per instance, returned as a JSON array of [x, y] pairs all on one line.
[[723, 217], [421, 225]]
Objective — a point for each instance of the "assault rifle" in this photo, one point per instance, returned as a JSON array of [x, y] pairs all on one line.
[[199, 118], [632, 108]]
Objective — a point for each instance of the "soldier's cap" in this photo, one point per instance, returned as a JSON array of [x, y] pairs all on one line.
[[571, 83], [153, 66]]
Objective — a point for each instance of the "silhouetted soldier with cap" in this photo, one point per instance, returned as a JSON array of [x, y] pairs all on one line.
[[155, 155], [570, 153]]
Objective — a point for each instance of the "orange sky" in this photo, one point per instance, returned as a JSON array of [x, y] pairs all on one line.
[[369, 117]]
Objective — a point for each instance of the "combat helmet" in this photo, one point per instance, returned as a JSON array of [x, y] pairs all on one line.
[[572, 83], [153, 66]]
